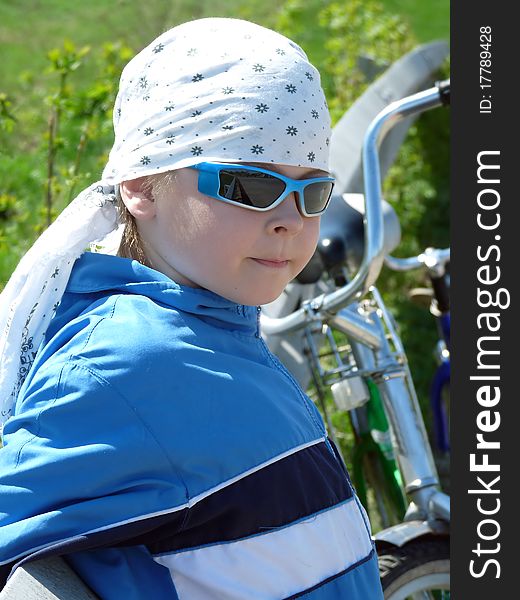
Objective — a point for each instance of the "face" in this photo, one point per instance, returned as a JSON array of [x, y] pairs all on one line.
[[243, 255]]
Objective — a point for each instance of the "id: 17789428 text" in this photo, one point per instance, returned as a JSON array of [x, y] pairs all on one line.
[[485, 70]]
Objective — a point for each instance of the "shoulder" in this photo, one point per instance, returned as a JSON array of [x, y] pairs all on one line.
[[123, 340], [128, 342], [132, 326], [135, 329]]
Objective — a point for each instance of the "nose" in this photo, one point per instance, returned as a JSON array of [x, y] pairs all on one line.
[[286, 217]]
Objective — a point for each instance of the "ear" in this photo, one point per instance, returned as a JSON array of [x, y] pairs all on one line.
[[138, 198]]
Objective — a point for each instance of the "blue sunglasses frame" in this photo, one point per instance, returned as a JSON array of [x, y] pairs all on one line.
[[209, 184]]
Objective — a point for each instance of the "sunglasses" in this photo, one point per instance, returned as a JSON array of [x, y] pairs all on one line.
[[259, 189]]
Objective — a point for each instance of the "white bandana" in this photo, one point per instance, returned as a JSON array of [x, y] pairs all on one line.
[[209, 90]]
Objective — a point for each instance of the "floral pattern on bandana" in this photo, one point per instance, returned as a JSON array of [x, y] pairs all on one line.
[[242, 91]]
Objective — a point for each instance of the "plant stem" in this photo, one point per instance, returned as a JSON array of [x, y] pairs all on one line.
[[50, 163], [79, 152]]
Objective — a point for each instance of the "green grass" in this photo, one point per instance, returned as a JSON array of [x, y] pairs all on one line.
[[29, 28], [429, 20]]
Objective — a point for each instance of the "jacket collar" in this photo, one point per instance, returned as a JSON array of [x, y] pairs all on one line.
[[94, 272]]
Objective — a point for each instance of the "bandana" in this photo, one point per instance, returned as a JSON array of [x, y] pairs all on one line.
[[213, 89]]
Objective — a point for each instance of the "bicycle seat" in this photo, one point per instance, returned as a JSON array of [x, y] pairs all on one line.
[[342, 238]]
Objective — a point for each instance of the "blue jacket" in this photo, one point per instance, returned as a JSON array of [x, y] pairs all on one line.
[[161, 447]]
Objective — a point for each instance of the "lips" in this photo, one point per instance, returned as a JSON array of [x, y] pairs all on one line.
[[272, 262]]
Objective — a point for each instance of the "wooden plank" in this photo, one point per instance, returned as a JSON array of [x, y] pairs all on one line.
[[46, 579]]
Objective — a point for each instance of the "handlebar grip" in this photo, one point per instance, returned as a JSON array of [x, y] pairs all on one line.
[[444, 91]]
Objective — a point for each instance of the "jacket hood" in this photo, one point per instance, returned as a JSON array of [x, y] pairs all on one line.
[[104, 274]]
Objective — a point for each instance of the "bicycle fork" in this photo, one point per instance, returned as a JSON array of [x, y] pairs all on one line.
[[367, 329]]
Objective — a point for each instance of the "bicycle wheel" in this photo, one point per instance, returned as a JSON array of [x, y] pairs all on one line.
[[419, 570]]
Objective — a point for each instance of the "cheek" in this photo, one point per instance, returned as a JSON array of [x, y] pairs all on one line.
[[236, 229], [212, 235], [185, 222], [311, 234], [307, 243]]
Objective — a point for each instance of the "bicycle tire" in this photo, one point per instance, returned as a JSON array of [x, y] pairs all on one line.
[[419, 569]]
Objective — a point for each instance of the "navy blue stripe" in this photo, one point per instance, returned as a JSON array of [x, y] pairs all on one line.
[[5, 570], [288, 490], [333, 577], [128, 534]]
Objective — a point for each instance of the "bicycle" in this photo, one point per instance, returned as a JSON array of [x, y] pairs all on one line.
[[414, 554]]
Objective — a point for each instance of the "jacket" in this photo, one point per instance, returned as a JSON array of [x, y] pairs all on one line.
[[162, 449]]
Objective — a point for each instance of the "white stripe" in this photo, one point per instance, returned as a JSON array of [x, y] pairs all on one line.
[[174, 509], [273, 565], [259, 467]]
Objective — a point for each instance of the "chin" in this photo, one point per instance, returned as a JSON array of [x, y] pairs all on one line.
[[265, 297], [256, 298]]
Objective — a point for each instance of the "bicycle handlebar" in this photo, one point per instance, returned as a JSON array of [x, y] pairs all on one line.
[[373, 219], [433, 259], [444, 91]]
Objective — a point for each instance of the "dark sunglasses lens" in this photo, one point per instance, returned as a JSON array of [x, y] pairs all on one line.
[[250, 188], [316, 196]]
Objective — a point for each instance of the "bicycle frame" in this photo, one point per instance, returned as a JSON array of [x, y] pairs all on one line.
[[441, 381], [389, 369]]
